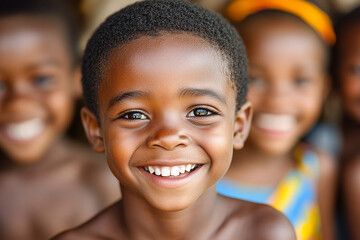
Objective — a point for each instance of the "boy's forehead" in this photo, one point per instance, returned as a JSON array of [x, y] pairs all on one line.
[[183, 48], [167, 41], [178, 60]]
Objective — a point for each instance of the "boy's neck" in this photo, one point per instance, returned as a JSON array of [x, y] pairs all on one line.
[[142, 221]]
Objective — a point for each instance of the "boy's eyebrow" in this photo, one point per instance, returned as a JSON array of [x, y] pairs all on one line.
[[201, 92], [125, 95]]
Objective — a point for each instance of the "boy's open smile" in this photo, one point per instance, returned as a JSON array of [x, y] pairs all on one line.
[[170, 176], [167, 118]]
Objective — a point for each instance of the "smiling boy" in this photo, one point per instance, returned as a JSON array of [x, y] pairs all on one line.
[[165, 89]]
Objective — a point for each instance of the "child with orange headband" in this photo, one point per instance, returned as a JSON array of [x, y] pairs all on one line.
[[286, 43], [347, 80]]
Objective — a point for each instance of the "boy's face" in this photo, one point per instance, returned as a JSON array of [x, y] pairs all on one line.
[[36, 78], [349, 70], [166, 105], [287, 83]]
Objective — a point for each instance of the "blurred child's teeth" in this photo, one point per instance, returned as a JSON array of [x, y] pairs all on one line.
[[170, 171], [25, 130], [275, 122]]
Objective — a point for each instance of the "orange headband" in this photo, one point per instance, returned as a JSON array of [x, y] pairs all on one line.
[[312, 15]]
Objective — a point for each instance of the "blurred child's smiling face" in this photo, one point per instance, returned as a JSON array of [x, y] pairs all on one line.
[[349, 70], [167, 116], [287, 82], [36, 101]]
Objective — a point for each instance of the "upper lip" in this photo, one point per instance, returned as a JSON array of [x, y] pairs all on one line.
[[169, 163]]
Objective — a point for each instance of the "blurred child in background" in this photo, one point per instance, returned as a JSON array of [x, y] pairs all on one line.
[[347, 80], [47, 183], [286, 43]]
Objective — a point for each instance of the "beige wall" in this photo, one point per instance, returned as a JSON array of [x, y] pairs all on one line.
[[96, 12]]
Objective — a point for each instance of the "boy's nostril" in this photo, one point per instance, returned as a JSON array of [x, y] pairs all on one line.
[[168, 140]]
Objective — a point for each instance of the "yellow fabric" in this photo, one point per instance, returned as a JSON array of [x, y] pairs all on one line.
[[312, 15], [308, 227]]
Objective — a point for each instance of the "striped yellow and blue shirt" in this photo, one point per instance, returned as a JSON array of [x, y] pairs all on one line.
[[295, 195]]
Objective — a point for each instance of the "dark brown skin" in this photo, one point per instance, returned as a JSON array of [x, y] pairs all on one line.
[[349, 77], [62, 190], [288, 78], [168, 132], [47, 183], [211, 217]]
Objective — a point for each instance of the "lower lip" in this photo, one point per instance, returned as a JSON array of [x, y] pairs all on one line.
[[171, 181]]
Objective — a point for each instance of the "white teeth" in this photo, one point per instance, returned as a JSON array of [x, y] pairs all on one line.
[[25, 130], [165, 171], [175, 171], [170, 171], [276, 122]]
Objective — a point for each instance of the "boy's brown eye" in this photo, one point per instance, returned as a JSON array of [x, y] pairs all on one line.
[[200, 112], [134, 116]]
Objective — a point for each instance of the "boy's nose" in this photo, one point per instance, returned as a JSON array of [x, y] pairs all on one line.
[[168, 139]]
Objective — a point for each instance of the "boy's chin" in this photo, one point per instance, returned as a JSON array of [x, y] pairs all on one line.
[[173, 203]]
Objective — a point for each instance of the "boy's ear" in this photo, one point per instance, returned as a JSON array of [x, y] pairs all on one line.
[[242, 125], [92, 130]]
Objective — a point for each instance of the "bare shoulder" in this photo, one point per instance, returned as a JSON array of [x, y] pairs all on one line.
[[270, 224], [102, 226], [260, 221]]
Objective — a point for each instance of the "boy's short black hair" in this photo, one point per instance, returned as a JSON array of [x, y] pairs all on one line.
[[52, 9], [151, 18]]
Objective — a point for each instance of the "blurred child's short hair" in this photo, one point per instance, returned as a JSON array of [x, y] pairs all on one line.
[[152, 18], [51, 9]]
